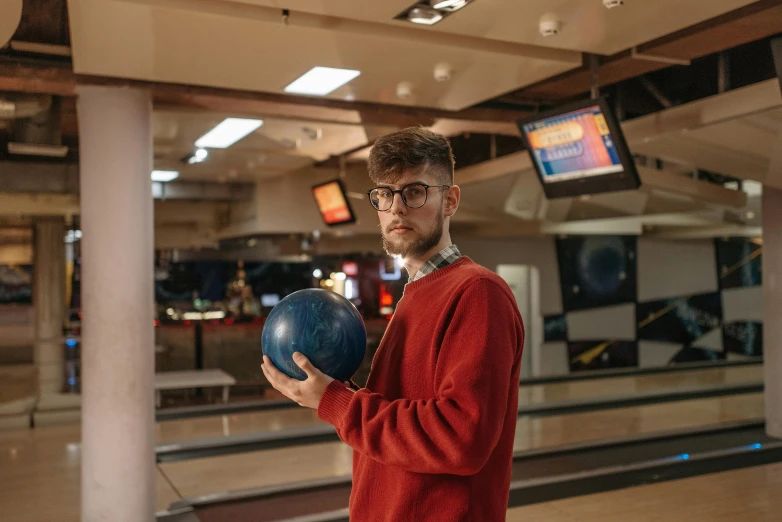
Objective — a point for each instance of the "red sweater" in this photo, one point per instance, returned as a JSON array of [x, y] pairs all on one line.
[[433, 429]]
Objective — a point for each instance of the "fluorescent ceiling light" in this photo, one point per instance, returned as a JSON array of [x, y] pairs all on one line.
[[164, 175], [321, 81], [228, 132], [423, 16], [448, 4]]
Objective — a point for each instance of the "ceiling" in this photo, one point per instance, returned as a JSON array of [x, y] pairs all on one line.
[[279, 146], [586, 25], [240, 46], [212, 59], [738, 134], [493, 47]]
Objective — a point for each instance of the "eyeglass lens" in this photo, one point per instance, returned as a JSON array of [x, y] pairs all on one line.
[[414, 196]]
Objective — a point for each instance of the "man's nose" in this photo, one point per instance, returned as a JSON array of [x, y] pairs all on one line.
[[398, 205]]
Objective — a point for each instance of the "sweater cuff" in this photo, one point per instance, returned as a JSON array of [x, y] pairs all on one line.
[[334, 403]]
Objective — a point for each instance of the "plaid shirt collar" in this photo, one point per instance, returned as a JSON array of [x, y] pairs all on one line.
[[441, 259]]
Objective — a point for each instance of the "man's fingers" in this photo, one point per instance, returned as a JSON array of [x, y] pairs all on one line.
[[305, 364], [281, 382], [275, 376]]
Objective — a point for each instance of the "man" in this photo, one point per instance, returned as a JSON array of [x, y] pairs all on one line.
[[433, 430]]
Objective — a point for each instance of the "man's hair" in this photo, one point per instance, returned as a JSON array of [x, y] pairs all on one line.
[[415, 149]]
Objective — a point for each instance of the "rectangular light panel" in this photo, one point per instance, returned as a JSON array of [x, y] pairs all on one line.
[[321, 81], [227, 132], [164, 175]]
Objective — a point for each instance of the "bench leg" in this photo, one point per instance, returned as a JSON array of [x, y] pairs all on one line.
[[226, 391]]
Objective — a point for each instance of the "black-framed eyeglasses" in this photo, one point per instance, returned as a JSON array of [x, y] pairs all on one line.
[[413, 195]]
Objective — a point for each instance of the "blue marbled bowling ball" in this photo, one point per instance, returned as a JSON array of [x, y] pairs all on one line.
[[322, 325]]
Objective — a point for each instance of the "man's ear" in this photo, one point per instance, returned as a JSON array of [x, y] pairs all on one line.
[[452, 198]]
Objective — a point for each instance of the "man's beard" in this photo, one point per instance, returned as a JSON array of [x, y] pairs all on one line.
[[406, 248]]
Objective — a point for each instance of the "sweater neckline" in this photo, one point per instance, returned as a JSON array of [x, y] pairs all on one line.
[[437, 274]]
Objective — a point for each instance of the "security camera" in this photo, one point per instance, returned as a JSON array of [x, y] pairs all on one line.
[[442, 72], [404, 90], [613, 3], [549, 24]]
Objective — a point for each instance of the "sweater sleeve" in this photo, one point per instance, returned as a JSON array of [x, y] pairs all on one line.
[[456, 432]]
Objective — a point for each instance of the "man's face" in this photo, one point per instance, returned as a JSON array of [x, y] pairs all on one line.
[[410, 232]]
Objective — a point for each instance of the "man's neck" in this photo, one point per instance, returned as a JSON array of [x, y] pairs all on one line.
[[414, 264]]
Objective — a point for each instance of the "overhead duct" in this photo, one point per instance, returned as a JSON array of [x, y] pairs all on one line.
[[36, 125], [18, 106]]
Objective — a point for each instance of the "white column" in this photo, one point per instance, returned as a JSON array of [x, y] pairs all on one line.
[[772, 309], [117, 358], [49, 302]]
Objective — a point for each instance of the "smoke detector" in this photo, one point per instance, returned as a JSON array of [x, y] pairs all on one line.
[[404, 90], [549, 25], [613, 3]]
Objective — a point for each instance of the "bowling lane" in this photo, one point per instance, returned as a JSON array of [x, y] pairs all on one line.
[[743, 494], [278, 466], [613, 386], [546, 432], [236, 424], [40, 472], [260, 468]]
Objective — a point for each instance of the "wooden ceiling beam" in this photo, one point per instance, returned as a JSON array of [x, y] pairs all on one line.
[[753, 22], [62, 81]]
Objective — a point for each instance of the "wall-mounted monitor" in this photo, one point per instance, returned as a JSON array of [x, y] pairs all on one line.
[[333, 203], [579, 149]]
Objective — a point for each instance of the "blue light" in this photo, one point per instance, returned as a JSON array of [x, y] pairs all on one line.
[[684, 456], [71, 343], [757, 445], [72, 382]]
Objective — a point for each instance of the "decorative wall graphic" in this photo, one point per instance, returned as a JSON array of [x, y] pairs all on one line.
[[600, 272], [689, 354], [595, 355], [16, 284], [554, 328], [597, 271], [679, 319], [743, 337], [739, 262]]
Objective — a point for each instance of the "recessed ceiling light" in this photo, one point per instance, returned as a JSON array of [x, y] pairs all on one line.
[[448, 4], [228, 132], [198, 156], [321, 81], [423, 16], [164, 176]]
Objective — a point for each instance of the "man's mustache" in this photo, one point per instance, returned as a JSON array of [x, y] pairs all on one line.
[[395, 224]]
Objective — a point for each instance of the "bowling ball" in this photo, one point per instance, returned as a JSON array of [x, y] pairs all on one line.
[[322, 325]]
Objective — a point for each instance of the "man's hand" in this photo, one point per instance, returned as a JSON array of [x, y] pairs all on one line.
[[306, 393]]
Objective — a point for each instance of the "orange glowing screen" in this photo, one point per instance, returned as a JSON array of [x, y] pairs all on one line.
[[332, 203]]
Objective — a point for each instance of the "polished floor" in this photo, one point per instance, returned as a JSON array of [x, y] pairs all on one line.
[[747, 495], [224, 426], [40, 476], [44, 462], [268, 467]]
